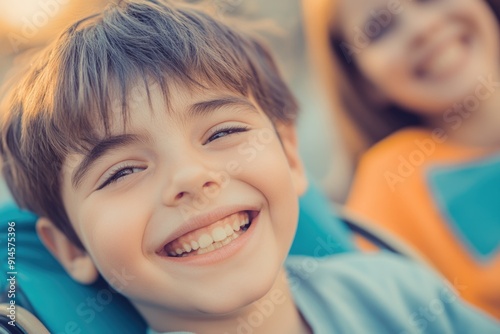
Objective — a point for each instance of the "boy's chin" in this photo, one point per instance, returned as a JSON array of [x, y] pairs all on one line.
[[222, 305], [238, 298]]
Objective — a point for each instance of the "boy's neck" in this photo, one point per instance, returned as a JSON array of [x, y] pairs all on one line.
[[274, 313]]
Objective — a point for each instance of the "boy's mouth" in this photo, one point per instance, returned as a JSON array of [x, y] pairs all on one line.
[[212, 237]]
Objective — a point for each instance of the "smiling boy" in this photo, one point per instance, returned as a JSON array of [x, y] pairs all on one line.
[[156, 139], [125, 200]]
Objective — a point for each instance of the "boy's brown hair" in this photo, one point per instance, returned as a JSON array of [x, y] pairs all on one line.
[[62, 101]]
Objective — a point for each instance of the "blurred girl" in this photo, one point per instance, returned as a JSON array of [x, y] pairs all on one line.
[[422, 80]]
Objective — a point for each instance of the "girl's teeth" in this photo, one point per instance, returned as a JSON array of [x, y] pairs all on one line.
[[194, 245]]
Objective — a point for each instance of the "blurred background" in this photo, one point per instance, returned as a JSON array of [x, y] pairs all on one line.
[[25, 24]]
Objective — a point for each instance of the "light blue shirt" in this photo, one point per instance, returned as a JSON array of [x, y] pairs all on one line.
[[378, 293]]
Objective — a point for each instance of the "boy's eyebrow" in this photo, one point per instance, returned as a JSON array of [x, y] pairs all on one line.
[[98, 151], [206, 107]]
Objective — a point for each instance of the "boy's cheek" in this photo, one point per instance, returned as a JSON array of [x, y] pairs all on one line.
[[257, 142], [260, 150], [112, 240], [117, 264]]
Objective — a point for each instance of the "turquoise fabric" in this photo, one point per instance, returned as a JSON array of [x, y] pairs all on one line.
[[319, 232], [67, 307], [63, 305], [468, 196]]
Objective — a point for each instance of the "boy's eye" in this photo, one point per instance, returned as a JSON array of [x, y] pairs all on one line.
[[120, 173], [223, 132]]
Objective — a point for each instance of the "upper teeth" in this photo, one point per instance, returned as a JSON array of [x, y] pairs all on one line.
[[212, 239]]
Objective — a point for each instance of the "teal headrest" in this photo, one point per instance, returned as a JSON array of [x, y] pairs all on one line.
[[65, 306]]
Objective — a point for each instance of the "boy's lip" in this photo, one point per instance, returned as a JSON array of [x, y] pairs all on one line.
[[204, 220]]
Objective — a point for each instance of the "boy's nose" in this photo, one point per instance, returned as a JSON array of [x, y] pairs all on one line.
[[190, 182]]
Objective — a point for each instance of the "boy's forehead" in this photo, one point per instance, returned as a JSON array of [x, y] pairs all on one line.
[[177, 100]]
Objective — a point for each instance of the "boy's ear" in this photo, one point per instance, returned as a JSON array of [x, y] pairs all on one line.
[[288, 136], [75, 261]]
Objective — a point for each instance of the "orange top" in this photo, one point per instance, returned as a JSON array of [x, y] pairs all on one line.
[[390, 189]]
